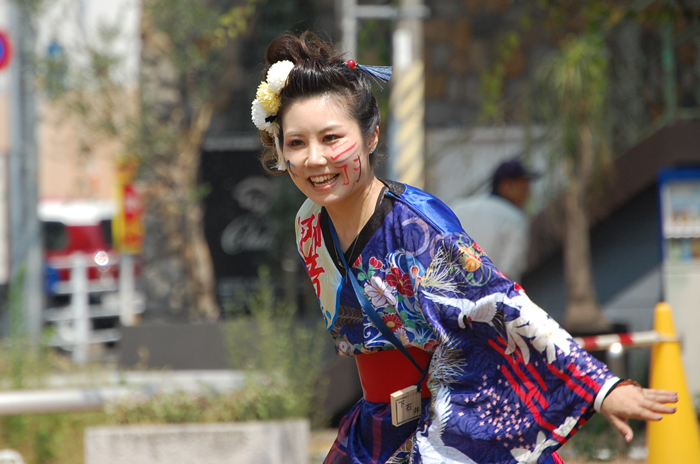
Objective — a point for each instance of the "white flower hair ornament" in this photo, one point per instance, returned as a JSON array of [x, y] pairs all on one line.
[[267, 103]]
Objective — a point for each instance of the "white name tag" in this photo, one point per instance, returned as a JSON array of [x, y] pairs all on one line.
[[405, 405]]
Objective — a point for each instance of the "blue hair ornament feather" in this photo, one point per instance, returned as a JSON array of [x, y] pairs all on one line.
[[378, 73]]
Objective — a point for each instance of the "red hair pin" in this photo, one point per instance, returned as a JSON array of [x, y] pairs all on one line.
[[382, 73]]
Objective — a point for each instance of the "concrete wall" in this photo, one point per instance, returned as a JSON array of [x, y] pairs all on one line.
[[460, 162], [72, 164], [283, 442]]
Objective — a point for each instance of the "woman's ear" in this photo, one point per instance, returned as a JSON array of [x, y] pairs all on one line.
[[373, 140]]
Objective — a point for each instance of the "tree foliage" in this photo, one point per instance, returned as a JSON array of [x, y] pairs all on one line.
[[554, 22], [189, 48], [609, 78], [572, 94], [188, 51]]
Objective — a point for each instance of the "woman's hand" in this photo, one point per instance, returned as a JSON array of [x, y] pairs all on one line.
[[632, 402]]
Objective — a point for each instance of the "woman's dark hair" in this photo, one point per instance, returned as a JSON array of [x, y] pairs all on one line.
[[319, 70]]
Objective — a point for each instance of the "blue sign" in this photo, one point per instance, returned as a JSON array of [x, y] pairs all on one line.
[[5, 50]]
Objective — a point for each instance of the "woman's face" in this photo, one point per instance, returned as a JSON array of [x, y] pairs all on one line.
[[326, 155]]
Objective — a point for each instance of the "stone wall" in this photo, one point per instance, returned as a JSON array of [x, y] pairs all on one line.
[[284, 442], [460, 38]]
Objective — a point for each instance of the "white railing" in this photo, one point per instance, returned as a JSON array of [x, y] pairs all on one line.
[[615, 345], [62, 394], [631, 339], [74, 322]]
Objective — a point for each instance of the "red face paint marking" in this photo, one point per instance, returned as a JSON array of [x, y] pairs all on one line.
[[345, 170], [339, 146], [344, 160], [341, 154], [344, 167]]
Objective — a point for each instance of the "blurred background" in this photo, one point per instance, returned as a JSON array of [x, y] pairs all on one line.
[[138, 230]]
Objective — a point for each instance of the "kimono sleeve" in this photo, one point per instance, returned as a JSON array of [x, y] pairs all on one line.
[[517, 380]]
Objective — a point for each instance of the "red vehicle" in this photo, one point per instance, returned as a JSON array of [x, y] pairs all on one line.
[[78, 227]]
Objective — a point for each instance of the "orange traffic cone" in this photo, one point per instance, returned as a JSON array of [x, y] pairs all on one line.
[[676, 438]]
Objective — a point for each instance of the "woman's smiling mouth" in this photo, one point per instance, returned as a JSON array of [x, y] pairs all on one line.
[[324, 180]]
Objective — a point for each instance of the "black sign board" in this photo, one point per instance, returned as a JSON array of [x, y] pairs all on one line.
[[236, 218]]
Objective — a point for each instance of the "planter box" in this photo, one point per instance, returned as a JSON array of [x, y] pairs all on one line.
[[282, 442]]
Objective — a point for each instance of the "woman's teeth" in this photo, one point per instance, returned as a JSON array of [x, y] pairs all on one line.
[[320, 181]]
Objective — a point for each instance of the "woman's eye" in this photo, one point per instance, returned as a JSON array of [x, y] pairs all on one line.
[[330, 138], [294, 143]]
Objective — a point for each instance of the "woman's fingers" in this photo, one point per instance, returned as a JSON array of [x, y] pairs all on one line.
[[642, 413], [628, 402], [662, 396], [621, 426], [643, 409], [658, 407]]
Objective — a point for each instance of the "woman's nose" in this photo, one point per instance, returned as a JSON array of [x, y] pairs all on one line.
[[316, 155]]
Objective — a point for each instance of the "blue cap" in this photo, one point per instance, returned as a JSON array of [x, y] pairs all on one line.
[[512, 169]]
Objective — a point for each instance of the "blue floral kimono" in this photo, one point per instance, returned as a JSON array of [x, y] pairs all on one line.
[[508, 384]]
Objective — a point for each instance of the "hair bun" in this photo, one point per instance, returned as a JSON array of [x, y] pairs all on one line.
[[307, 47]]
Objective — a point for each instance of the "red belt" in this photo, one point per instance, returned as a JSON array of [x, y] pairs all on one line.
[[385, 372]]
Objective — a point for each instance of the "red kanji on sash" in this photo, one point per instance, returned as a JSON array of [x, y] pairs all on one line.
[[310, 231]]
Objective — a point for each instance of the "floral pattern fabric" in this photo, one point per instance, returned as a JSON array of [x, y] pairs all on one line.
[[508, 384]]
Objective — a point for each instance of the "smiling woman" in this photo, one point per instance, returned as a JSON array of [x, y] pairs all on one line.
[[457, 364]]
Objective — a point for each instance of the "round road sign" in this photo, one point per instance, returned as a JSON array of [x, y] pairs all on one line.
[[5, 50]]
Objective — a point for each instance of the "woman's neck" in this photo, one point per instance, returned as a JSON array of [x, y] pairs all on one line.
[[348, 222]]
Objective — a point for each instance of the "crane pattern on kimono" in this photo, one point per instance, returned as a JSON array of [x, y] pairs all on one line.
[[483, 310]]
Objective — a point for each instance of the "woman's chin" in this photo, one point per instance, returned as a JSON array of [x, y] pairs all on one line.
[[329, 200]]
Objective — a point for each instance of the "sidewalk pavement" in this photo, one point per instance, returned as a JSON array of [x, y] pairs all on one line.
[[320, 443], [322, 440]]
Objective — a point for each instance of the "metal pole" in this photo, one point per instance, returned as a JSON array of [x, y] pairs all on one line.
[[80, 305], [615, 360], [54, 401], [407, 144], [14, 166], [348, 24], [668, 61], [126, 289], [25, 232], [61, 394]]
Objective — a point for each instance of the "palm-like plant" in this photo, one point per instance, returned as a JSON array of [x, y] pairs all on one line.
[[573, 105]]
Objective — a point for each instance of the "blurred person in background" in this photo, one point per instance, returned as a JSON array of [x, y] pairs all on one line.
[[497, 220], [482, 375]]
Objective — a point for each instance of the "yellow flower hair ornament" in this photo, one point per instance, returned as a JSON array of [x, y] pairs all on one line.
[[267, 103]]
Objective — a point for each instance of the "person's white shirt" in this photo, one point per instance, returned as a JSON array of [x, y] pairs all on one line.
[[500, 228]]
